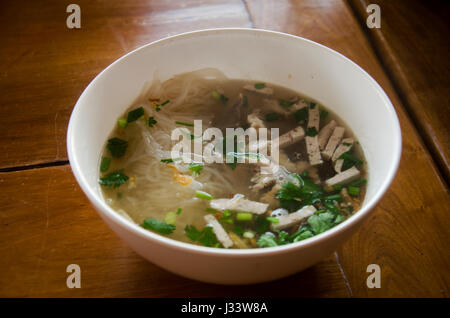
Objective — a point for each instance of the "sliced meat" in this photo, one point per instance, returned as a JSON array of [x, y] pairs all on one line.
[[262, 181], [218, 229], [265, 91], [314, 118], [291, 137], [338, 165], [238, 203], [343, 177], [333, 142], [313, 150], [274, 106], [294, 218], [255, 121], [270, 196], [325, 133], [344, 146]]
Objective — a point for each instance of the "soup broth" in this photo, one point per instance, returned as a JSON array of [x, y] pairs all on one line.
[[317, 182]]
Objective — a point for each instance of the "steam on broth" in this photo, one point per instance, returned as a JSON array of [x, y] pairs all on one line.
[[317, 182]]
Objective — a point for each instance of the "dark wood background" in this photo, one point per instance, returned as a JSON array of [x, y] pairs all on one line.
[[46, 223]]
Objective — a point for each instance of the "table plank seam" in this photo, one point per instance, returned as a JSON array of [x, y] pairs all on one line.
[[344, 276], [35, 166]]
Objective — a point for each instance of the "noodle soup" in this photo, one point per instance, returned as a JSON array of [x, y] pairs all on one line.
[[308, 176]]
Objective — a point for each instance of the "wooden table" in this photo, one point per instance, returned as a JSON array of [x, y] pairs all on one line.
[[46, 223]]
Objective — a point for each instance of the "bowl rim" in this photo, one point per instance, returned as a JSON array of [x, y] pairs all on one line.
[[103, 208]]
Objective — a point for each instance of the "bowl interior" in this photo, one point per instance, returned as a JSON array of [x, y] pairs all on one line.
[[289, 61]]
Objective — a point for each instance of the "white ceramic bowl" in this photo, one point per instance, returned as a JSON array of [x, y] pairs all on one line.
[[278, 58]]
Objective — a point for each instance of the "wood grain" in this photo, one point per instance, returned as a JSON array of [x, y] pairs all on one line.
[[409, 231], [46, 223], [413, 45], [45, 66]]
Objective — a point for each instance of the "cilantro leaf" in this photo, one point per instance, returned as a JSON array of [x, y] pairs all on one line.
[[293, 196], [267, 240], [114, 179], [260, 85], [117, 147], [158, 226], [206, 236], [285, 103], [311, 132], [135, 114], [301, 115]]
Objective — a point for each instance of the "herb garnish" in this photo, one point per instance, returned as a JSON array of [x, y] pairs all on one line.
[[205, 236], [158, 226], [311, 132], [114, 179], [117, 147], [135, 114]]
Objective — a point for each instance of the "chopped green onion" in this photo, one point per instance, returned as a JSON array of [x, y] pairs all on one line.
[[334, 197], [260, 85], [104, 165], [338, 187], [211, 210], [203, 195], [184, 124], [358, 183], [122, 122], [178, 211], [165, 102], [167, 160], [272, 219], [244, 216], [248, 234], [219, 96], [353, 191], [170, 218]]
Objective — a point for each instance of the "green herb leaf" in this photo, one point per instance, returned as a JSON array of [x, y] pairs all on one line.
[[321, 222], [349, 160], [114, 179], [178, 211], [158, 226], [292, 196], [266, 240], [151, 121], [166, 160], [285, 103], [205, 236], [196, 168], [311, 132], [312, 105], [301, 115], [135, 114], [104, 165], [271, 117], [260, 85], [323, 113], [238, 230], [117, 147]]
